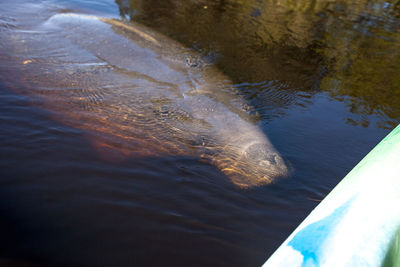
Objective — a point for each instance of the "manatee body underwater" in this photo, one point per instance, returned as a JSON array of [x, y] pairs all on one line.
[[135, 93]]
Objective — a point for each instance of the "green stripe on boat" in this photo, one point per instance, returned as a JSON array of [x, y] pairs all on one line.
[[358, 223]]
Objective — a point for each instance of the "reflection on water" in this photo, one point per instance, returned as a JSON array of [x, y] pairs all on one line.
[[350, 49]]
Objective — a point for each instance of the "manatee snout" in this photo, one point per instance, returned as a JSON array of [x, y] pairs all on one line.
[[266, 160]]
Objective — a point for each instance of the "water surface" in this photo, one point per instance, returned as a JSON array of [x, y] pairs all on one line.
[[323, 77]]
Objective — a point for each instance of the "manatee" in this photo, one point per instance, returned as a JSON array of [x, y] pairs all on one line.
[[134, 92]]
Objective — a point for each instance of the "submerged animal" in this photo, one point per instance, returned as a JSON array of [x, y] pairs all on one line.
[[135, 92]]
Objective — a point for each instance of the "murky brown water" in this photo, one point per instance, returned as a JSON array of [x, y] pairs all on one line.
[[133, 146]]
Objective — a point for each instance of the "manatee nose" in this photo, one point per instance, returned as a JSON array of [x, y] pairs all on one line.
[[261, 154]]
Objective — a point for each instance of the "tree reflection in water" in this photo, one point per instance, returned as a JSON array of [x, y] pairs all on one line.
[[350, 49]]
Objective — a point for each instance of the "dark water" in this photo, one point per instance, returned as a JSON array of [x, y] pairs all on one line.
[[322, 75]]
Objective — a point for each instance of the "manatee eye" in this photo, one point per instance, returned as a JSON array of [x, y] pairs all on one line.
[[269, 160]]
